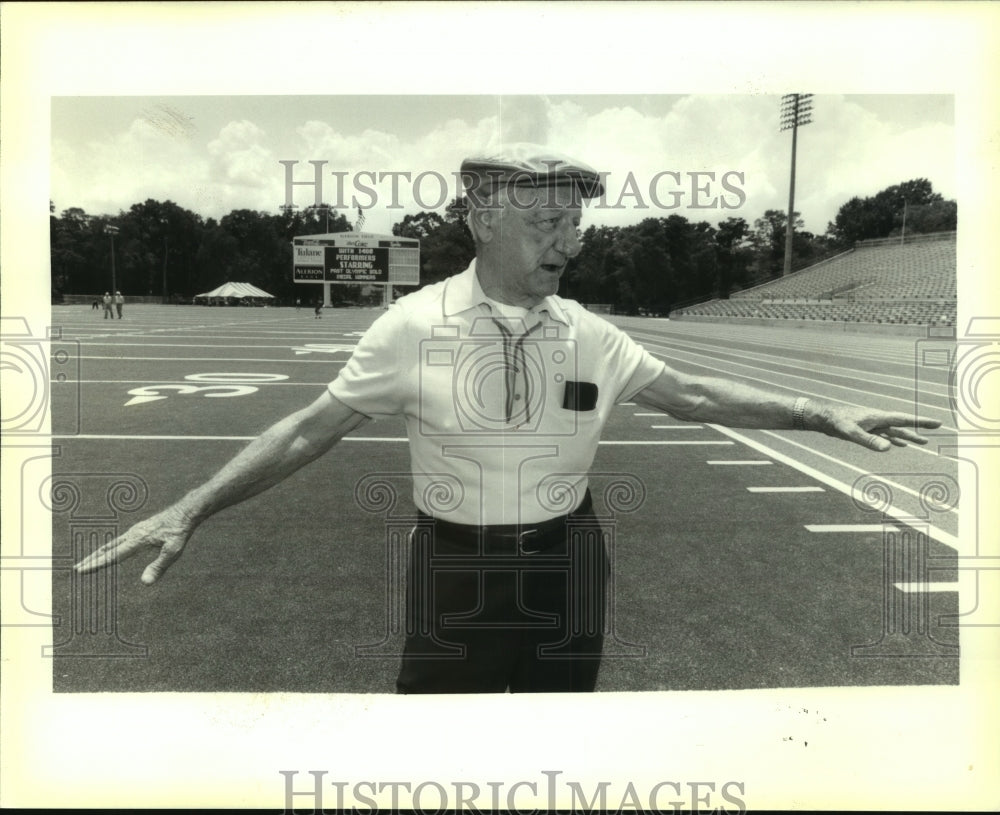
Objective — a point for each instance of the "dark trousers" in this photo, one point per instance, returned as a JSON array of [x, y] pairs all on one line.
[[501, 608]]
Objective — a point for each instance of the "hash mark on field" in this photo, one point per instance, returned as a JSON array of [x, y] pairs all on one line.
[[914, 588], [785, 489], [878, 529], [678, 443], [851, 527], [740, 462]]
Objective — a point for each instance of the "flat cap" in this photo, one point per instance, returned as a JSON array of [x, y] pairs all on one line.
[[528, 165]]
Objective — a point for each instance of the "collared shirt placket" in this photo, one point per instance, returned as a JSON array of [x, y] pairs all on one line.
[[516, 364]]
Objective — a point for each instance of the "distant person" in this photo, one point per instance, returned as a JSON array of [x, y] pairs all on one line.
[[96, 304], [119, 303], [107, 306], [319, 309], [298, 303]]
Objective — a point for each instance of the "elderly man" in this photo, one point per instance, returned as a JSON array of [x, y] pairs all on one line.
[[505, 388]]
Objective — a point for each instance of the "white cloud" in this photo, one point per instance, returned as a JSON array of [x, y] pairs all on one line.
[[372, 148], [142, 162], [524, 119], [239, 157]]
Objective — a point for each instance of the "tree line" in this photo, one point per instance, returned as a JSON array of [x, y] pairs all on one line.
[[164, 250]]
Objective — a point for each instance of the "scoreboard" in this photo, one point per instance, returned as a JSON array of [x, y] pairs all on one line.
[[356, 257]]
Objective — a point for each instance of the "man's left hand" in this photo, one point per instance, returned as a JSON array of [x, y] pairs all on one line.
[[874, 429]]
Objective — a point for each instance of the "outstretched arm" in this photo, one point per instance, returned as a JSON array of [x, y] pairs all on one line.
[[278, 452], [720, 401]]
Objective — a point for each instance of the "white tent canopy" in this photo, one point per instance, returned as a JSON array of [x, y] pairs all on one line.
[[238, 290]]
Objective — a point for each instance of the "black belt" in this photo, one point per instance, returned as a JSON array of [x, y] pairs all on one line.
[[530, 538]]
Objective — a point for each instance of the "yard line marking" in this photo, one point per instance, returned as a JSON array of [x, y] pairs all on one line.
[[276, 360], [102, 437], [740, 462], [785, 489], [178, 382], [293, 336], [677, 427], [98, 436], [893, 512], [913, 588], [285, 347], [648, 414]]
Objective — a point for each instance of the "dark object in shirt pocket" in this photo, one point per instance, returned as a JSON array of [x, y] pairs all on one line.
[[580, 396]]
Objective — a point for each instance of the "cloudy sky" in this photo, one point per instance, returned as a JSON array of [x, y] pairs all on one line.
[[213, 154]]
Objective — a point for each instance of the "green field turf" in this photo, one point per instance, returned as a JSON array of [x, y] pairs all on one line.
[[716, 585]]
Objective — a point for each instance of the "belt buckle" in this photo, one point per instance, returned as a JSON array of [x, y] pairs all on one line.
[[520, 542]]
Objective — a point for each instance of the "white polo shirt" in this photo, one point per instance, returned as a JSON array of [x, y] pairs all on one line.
[[504, 407]]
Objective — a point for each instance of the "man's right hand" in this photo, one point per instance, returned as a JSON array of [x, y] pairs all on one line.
[[167, 531]]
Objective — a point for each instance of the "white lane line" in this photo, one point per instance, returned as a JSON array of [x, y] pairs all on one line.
[[780, 361], [740, 463], [677, 427], [785, 489], [754, 375], [893, 512], [767, 347], [841, 463]]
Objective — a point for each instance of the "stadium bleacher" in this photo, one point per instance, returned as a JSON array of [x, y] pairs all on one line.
[[886, 281]]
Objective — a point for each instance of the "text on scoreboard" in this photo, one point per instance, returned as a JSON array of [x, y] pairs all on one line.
[[356, 258], [356, 264]]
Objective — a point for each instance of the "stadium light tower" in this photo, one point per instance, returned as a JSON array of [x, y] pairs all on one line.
[[796, 111], [111, 231]]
